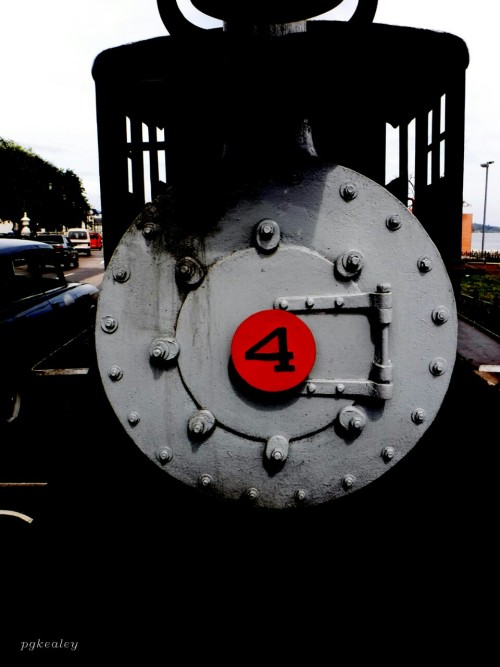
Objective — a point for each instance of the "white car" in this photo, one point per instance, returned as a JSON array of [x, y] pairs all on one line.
[[80, 238]]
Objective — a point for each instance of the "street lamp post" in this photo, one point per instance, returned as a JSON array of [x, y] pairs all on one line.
[[487, 166]]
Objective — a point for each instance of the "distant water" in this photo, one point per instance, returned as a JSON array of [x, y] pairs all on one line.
[[491, 241]]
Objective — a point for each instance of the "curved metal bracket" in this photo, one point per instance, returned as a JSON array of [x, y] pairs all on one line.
[[177, 24], [175, 21], [365, 12]]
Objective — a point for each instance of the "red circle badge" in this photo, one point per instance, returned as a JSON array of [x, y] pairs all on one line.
[[273, 350]]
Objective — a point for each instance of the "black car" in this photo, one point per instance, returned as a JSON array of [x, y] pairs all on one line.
[[39, 312], [65, 250]]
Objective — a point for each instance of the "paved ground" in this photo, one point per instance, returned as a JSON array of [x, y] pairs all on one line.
[[479, 350]]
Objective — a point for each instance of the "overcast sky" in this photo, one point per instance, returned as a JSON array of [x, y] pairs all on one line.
[[48, 96]]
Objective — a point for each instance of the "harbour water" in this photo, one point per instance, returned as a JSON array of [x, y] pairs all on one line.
[[491, 241]]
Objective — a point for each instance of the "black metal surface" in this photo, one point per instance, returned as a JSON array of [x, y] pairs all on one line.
[[216, 90]]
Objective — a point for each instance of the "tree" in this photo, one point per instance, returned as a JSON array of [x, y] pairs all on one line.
[[53, 198]]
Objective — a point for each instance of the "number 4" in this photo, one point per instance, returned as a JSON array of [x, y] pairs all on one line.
[[283, 355]]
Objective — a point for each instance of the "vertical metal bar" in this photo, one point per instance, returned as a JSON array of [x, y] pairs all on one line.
[[136, 149], [153, 159], [436, 131]]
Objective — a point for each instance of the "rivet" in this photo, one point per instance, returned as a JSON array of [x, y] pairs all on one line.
[[349, 264], [438, 366], [205, 480], [310, 388], [164, 349], [283, 304], [267, 235], [164, 455], [300, 495], [393, 222], [352, 261], [189, 271], [115, 373], [267, 229], [424, 264], [201, 423], [309, 302], [388, 453], [252, 493], [418, 416], [440, 315], [353, 420], [348, 191], [348, 481], [121, 273], [149, 230], [276, 450], [133, 418], [340, 388], [109, 324], [339, 301]]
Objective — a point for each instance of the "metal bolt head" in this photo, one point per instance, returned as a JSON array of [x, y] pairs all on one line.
[[310, 387], [205, 480], [356, 424], [300, 495], [348, 191], [353, 420], [339, 301], [424, 264], [438, 366], [201, 423], [109, 324], [309, 302], [340, 388], [149, 230], [133, 418], [349, 264], [440, 315], [276, 450], [283, 304], [164, 455], [267, 235], [121, 273], [164, 349], [353, 261], [418, 416], [388, 453], [115, 373], [189, 272], [252, 493], [348, 481], [393, 222]]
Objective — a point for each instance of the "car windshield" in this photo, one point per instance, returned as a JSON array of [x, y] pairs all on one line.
[[26, 274]]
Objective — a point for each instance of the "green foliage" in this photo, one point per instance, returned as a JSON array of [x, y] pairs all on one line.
[[52, 197], [484, 287]]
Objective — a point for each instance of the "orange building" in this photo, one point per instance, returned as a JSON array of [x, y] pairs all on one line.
[[466, 232]]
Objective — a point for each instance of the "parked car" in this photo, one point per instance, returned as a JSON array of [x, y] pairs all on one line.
[[95, 240], [40, 311], [80, 238], [66, 252]]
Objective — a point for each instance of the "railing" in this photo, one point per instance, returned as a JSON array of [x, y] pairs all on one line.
[[483, 314], [476, 255]]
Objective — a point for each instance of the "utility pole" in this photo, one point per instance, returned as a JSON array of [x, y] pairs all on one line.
[[487, 166]]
